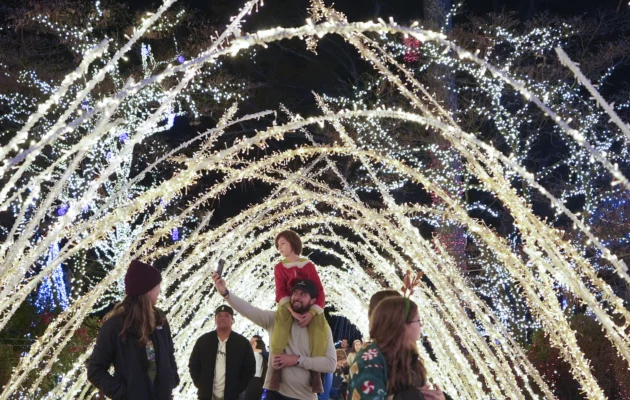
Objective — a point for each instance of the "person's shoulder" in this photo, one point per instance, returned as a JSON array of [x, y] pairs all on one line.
[[367, 344], [161, 313], [239, 338], [370, 352], [305, 261], [207, 336], [300, 263], [113, 322]]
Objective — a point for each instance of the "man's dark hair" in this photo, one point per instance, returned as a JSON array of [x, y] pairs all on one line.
[[257, 337], [294, 240], [260, 345]]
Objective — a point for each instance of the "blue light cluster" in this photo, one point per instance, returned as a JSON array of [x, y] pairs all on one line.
[[52, 291]]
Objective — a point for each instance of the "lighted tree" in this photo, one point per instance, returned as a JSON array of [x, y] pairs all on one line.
[[65, 31], [497, 112]]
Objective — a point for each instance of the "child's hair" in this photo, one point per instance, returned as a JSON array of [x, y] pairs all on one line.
[[293, 239], [341, 355]]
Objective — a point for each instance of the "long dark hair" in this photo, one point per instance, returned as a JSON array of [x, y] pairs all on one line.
[[387, 329], [139, 316]]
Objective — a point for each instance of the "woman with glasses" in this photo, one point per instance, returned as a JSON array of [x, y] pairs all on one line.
[[390, 367]]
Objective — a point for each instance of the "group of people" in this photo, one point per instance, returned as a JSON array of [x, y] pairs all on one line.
[[136, 340], [336, 384]]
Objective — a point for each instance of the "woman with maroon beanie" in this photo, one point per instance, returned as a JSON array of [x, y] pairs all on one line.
[[136, 339]]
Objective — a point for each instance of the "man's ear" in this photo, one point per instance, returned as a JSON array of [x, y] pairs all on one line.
[[312, 301]]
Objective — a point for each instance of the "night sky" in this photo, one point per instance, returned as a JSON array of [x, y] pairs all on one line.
[[287, 73], [293, 11], [293, 73]]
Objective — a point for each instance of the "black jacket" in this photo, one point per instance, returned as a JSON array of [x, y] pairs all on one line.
[[240, 365], [131, 380]]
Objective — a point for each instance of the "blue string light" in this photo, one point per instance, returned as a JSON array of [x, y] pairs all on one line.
[[52, 292], [61, 211]]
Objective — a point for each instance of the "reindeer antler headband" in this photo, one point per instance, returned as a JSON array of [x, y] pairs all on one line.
[[409, 286]]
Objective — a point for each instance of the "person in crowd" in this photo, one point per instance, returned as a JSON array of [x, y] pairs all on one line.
[[332, 382], [286, 273], [255, 388], [254, 340], [338, 376], [391, 364], [356, 346], [265, 353], [297, 362], [327, 382], [377, 298], [136, 339], [342, 372], [222, 362], [344, 345]]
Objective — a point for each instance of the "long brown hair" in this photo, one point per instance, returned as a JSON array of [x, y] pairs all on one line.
[[387, 329], [139, 316]]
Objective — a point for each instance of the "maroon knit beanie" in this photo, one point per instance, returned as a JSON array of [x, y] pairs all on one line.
[[141, 278]]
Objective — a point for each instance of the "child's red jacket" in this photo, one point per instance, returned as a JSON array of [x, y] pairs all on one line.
[[285, 273]]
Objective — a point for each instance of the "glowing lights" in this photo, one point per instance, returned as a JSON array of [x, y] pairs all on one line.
[[476, 357]]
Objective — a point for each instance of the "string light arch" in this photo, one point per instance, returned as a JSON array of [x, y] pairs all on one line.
[[467, 363]]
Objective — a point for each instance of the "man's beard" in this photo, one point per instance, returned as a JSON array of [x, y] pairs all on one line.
[[300, 309]]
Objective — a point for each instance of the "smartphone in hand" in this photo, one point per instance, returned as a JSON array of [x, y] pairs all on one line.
[[220, 267]]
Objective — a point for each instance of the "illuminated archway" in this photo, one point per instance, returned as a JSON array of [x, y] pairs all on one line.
[[466, 363]]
